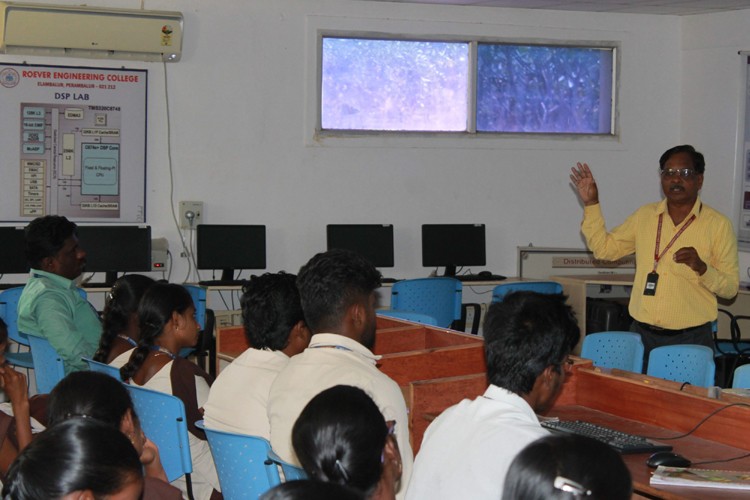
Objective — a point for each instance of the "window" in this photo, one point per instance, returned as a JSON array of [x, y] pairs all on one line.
[[544, 89], [394, 85], [426, 86]]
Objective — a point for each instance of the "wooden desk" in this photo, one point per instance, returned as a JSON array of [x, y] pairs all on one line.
[[629, 402], [437, 368]]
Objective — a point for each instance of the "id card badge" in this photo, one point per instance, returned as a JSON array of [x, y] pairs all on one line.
[[651, 280]]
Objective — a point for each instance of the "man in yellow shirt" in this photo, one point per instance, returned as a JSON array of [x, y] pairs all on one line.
[[685, 252]]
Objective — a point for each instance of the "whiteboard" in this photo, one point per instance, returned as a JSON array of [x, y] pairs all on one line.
[[743, 222], [73, 143]]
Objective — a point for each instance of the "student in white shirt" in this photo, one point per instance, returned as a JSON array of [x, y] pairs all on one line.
[[337, 289], [466, 451], [276, 330]]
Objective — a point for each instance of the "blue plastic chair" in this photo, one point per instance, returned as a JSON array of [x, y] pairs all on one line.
[[436, 297], [503, 289], [741, 377], [242, 463], [9, 313], [96, 366], [622, 350], [163, 420], [409, 316], [683, 363], [48, 365], [291, 472], [206, 345]]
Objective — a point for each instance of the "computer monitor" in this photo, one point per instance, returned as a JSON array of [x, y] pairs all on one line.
[[230, 247], [453, 245], [115, 249], [12, 250], [372, 241]]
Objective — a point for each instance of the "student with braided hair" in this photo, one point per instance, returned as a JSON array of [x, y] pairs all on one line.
[[167, 323], [120, 332]]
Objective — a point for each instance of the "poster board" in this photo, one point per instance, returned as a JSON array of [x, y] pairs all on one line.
[[73, 143]]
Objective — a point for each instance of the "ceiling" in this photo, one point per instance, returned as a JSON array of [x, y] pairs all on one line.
[[666, 7]]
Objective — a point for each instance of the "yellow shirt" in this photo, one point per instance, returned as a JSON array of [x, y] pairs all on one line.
[[683, 299]]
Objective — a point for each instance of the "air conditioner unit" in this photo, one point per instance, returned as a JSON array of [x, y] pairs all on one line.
[[101, 33]]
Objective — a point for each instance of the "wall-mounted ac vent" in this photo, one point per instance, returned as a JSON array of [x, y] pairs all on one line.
[[100, 33]]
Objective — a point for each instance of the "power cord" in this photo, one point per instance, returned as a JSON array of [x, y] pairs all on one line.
[[703, 421], [185, 249]]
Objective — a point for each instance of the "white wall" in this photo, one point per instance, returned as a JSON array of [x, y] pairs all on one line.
[[241, 114], [712, 85]]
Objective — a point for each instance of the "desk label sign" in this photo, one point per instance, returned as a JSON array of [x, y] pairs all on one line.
[[585, 261]]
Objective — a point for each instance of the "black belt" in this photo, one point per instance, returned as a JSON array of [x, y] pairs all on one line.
[[657, 330]]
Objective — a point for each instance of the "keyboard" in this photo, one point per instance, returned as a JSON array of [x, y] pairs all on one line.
[[480, 277], [621, 441]]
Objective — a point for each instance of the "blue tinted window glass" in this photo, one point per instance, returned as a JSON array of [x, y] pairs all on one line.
[[394, 85], [544, 89]]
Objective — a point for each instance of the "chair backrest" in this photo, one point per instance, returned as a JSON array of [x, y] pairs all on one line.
[[48, 365], [409, 316], [741, 377], [198, 294], [436, 297], [503, 289], [164, 422], [96, 366], [242, 463], [683, 363], [623, 350], [9, 313], [291, 472]]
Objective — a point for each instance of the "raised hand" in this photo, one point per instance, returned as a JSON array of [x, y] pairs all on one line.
[[583, 180]]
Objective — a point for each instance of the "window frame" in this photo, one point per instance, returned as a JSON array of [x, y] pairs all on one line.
[[471, 129]]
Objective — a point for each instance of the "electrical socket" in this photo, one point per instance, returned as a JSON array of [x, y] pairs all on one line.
[[191, 206]]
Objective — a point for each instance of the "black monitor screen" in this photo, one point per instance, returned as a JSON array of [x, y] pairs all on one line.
[[116, 249], [453, 245], [12, 246], [229, 247], [372, 241]]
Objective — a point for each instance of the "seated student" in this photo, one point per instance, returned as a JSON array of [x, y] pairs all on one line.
[[50, 304], [341, 437], [310, 489], [337, 290], [566, 467], [80, 457], [120, 332], [167, 322], [275, 328], [14, 385], [467, 449], [100, 397]]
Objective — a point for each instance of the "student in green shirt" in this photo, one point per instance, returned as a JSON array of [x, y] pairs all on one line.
[[50, 305]]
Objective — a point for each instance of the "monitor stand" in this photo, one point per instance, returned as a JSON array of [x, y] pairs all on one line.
[[110, 277], [450, 270], [227, 275]]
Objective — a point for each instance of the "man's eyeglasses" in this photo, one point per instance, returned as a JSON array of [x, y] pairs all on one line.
[[685, 173]]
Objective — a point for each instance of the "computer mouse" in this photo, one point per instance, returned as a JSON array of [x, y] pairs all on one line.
[[668, 459], [485, 274]]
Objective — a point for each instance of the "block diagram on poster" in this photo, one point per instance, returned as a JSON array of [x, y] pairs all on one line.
[[70, 160]]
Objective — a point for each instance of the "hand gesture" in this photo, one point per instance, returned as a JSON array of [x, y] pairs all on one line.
[[583, 180], [151, 460], [14, 385], [689, 256]]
